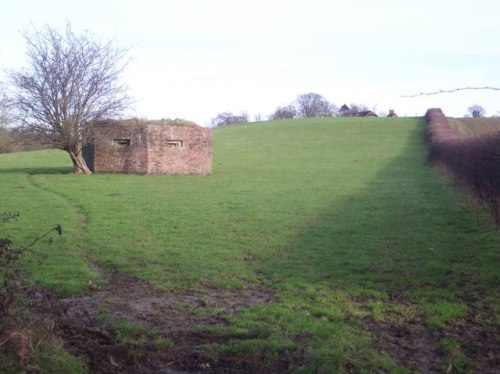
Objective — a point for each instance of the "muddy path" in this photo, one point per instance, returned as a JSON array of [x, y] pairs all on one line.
[[161, 334], [160, 329], [127, 326]]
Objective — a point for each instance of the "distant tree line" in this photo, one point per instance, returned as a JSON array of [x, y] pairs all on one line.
[[15, 139], [311, 105], [308, 105], [228, 118]]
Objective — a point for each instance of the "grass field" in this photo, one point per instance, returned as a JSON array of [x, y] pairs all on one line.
[[363, 253], [475, 126]]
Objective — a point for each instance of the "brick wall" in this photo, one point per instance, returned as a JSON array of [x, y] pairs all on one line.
[[161, 147], [179, 150]]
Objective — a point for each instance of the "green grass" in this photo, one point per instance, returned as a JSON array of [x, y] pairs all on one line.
[[54, 359], [454, 354], [337, 216]]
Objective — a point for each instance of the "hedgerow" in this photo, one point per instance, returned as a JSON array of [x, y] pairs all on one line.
[[473, 162]]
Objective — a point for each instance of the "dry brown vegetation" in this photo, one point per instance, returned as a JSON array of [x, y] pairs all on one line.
[[474, 126], [17, 141], [473, 162]]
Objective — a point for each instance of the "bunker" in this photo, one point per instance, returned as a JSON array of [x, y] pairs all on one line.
[[172, 147]]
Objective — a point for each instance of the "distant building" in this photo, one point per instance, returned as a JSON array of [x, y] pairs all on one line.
[[344, 111], [355, 111], [173, 147], [392, 113], [366, 113]]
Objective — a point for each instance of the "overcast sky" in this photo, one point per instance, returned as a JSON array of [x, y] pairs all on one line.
[[193, 59]]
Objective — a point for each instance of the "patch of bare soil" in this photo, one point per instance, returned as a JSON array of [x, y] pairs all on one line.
[[414, 344], [86, 324], [479, 334], [134, 301]]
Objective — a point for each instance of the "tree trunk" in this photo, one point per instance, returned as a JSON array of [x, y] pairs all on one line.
[[79, 164]]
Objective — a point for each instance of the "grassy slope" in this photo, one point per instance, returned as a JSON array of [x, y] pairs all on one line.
[[340, 216]]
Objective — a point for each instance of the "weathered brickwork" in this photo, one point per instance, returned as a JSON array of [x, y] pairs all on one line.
[[171, 147]]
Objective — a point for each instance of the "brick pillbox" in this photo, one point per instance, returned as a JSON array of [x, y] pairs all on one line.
[[171, 147]]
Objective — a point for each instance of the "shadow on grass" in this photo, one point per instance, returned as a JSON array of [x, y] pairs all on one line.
[[38, 170], [46, 161], [408, 229], [405, 251]]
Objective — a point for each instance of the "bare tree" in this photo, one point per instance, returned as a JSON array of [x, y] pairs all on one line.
[[228, 118], [71, 82], [7, 138], [5, 115], [284, 112], [314, 105], [476, 111]]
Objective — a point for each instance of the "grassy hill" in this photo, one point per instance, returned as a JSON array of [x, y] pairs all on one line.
[[317, 245]]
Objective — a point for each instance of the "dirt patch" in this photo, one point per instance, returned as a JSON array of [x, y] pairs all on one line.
[[134, 301], [88, 325], [404, 335], [414, 344], [479, 336]]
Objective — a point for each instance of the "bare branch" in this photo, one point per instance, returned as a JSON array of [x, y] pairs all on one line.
[[71, 82], [57, 228], [453, 90]]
